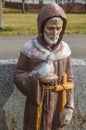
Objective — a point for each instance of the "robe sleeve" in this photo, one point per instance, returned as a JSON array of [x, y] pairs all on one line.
[[70, 93], [29, 86]]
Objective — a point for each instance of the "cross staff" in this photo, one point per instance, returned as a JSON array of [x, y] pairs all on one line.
[[62, 88]]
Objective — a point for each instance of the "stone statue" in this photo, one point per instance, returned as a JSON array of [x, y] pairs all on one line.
[[44, 73]]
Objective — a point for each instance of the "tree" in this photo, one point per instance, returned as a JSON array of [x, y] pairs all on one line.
[[40, 1], [65, 1], [23, 6], [1, 12], [56, 1], [73, 1], [68, 1]]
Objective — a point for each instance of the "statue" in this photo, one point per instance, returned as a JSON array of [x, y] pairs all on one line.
[[44, 74]]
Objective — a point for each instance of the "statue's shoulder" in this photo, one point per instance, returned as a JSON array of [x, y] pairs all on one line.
[[28, 48], [65, 45], [66, 49]]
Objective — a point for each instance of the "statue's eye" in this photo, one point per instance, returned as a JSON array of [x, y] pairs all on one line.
[[50, 28], [58, 28]]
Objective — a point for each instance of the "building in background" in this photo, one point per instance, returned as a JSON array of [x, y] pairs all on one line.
[[50, 1]]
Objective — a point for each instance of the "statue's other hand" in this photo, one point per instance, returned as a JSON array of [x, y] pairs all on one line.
[[65, 116]]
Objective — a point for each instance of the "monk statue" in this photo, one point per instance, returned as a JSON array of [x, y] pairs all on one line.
[[44, 73]]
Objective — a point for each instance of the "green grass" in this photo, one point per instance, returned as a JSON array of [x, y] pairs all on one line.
[[11, 10], [76, 23], [17, 23], [20, 24]]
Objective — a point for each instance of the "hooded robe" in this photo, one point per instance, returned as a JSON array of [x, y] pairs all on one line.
[[34, 52]]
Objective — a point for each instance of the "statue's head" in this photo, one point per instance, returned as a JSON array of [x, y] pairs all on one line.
[[52, 30], [51, 25]]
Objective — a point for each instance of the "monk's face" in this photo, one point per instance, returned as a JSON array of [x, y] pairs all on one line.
[[52, 30]]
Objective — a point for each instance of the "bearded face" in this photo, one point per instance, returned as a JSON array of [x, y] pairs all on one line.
[[52, 30]]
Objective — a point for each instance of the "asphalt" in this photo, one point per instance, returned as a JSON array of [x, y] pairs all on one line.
[[10, 45]]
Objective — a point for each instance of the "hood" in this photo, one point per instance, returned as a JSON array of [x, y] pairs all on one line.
[[48, 11]]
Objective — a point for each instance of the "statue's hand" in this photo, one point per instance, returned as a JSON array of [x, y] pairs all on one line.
[[50, 79], [65, 116]]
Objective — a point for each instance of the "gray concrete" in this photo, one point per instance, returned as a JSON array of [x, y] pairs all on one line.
[[10, 45], [12, 101]]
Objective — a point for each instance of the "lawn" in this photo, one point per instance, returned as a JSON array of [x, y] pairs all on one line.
[[76, 23], [26, 23], [20, 24]]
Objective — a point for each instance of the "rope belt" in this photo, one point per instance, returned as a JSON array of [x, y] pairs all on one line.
[[58, 88]]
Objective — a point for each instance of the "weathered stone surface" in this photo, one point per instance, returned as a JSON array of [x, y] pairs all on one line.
[[12, 101], [79, 117]]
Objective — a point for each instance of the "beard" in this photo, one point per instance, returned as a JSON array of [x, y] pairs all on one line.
[[49, 40]]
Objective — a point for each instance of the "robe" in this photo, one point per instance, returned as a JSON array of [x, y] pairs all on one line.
[[32, 53]]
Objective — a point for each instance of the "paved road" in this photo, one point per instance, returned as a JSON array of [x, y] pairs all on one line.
[[10, 45]]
